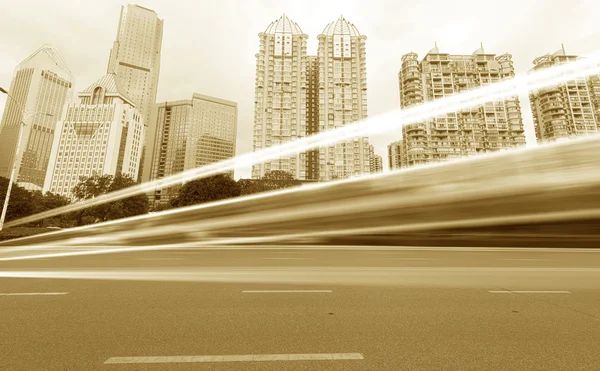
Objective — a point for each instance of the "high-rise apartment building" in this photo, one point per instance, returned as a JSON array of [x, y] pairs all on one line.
[[41, 85], [280, 95], [312, 114], [490, 127], [102, 134], [135, 56], [375, 161], [187, 134], [396, 156], [568, 109], [342, 98]]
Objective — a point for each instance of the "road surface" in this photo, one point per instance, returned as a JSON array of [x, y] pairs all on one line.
[[301, 308]]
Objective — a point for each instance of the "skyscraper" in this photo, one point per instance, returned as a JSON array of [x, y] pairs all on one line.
[[342, 98], [312, 114], [396, 156], [568, 109], [280, 95], [187, 134], [490, 127], [102, 134], [375, 161], [135, 56], [41, 85]]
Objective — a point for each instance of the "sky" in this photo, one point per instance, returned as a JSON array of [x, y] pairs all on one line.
[[209, 46]]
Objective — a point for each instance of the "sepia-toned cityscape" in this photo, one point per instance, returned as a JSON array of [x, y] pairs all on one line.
[[458, 230], [117, 127]]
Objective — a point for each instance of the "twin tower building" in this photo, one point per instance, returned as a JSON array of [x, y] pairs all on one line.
[[297, 95]]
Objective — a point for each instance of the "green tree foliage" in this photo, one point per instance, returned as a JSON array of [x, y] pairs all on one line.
[[217, 187], [20, 204], [23, 203], [44, 202], [97, 185], [276, 179]]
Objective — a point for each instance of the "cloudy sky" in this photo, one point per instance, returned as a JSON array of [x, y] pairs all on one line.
[[209, 45]]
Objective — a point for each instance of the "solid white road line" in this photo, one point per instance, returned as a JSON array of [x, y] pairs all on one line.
[[529, 292], [415, 259], [239, 358], [283, 291], [286, 258], [159, 259], [31, 293]]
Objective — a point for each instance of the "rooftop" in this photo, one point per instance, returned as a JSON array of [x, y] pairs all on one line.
[[284, 25], [341, 27]]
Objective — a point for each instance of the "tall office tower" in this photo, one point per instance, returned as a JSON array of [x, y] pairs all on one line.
[[375, 161], [342, 98], [135, 57], [280, 95], [102, 134], [312, 114], [41, 85], [187, 134], [490, 127], [396, 156], [568, 109]]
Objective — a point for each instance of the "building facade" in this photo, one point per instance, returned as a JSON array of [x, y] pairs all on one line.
[[42, 85], [569, 109], [135, 56], [342, 98], [188, 134], [396, 155], [487, 128], [102, 134], [312, 114], [375, 161], [280, 95]]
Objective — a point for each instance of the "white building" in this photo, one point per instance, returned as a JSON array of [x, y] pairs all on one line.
[[280, 95], [135, 56], [103, 134], [41, 85], [569, 109], [375, 161], [396, 156], [490, 127], [342, 98]]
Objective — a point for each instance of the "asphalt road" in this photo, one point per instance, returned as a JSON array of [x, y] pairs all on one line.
[[265, 308]]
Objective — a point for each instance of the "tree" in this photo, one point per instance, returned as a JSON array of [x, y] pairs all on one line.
[[92, 186], [24, 203], [43, 202], [97, 185], [20, 204], [216, 187], [276, 179]]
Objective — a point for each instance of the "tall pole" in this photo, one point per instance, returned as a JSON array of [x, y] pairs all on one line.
[[12, 176], [17, 159]]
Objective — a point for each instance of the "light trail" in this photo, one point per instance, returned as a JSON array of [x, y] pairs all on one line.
[[415, 227], [377, 125]]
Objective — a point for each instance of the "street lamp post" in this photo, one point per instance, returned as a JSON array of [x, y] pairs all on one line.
[[17, 158]]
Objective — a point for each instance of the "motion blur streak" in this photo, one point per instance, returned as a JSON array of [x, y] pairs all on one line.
[[546, 184], [96, 249], [376, 125], [474, 277]]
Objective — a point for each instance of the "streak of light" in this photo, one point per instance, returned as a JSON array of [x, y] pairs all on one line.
[[483, 277], [376, 125], [475, 222]]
